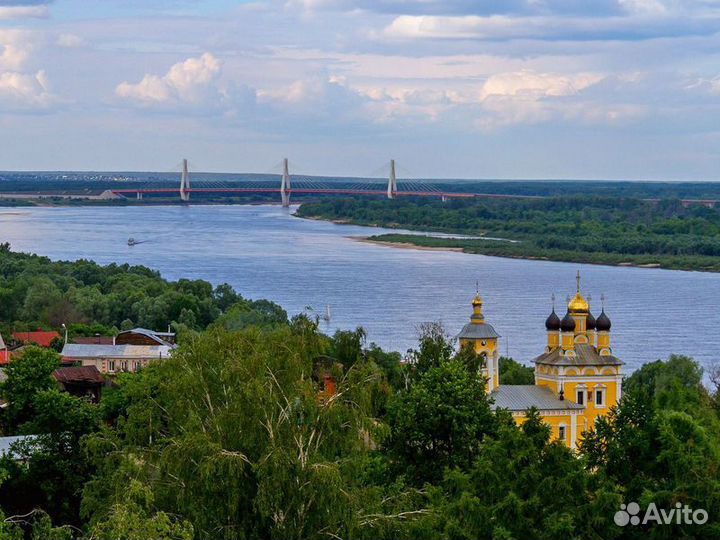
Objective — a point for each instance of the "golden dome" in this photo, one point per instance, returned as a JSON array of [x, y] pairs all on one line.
[[578, 304], [477, 315]]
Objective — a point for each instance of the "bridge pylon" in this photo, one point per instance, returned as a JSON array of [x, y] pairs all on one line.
[[285, 187], [185, 182], [392, 181]]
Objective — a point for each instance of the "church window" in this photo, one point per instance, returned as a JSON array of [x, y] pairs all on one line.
[[599, 397], [561, 433], [581, 397]]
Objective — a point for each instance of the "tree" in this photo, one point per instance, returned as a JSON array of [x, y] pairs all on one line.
[[51, 468], [434, 350], [225, 297], [230, 434], [439, 422], [659, 448], [134, 519], [26, 376], [672, 384], [347, 346], [512, 372], [521, 485]]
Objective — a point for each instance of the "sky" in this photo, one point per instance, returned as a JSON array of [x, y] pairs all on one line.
[[566, 89]]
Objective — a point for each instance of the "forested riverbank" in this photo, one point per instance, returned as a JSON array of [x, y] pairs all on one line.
[[584, 229], [238, 434]]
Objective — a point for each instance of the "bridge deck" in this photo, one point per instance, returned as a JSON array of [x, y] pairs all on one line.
[[359, 191]]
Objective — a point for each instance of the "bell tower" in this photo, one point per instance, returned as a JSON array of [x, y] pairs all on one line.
[[484, 340]]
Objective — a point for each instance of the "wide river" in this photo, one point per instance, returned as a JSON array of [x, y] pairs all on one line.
[[265, 252]]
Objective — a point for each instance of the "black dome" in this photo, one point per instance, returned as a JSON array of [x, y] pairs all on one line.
[[590, 323], [603, 323], [552, 323], [568, 323]]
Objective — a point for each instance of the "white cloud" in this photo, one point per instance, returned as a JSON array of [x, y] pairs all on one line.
[[705, 85], [25, 92], [70, 41], [460, 27], [641, 19], [531, 85], [644, 7], [23, 12], [15, 47], [527, 97], [190, 82]]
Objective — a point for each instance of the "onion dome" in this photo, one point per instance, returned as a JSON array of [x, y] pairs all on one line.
[[590, 322], [578, 304], [568, 323], [477, 316], [552, 323], [603, 323]]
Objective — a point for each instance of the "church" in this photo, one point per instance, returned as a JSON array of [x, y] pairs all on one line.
[[577, 378]]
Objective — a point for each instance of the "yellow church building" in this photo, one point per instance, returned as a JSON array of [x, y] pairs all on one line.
[[577, 378]]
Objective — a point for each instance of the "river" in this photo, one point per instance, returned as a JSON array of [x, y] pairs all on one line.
[[265, 252]]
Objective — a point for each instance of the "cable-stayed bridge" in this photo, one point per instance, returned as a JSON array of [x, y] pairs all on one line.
[[286, 185]]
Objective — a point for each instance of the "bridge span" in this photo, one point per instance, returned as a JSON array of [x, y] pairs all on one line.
[[391, 189]]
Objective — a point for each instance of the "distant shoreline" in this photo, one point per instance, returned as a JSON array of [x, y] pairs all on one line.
[[403, 245], [410, 245], [406, 242]]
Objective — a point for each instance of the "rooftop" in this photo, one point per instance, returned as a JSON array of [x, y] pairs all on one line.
[[475, 330], [522, 397], [585, 355], [83, 350], [161, 338], [79, 374], [39, 337]]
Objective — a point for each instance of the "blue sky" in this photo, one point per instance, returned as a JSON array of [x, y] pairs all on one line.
[[616, 89]]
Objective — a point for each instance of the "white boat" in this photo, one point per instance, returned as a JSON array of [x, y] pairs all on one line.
[[326, 316]]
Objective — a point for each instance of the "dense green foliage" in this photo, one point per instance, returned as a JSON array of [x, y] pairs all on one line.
[[90, 298], [607, 230], [512, 372], [234, 437]]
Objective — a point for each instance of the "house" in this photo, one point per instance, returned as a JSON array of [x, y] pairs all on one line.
[[41, 338], [4, 354], [325, 371], [136, 336], [80, 381], [577, 378], [114, 358]]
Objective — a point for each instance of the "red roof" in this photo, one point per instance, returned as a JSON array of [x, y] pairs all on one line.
[[40, 337]]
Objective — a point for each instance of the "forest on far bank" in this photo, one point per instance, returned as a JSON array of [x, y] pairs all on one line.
[[588, 229]]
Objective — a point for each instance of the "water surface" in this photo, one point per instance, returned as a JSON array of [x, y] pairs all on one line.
[[265, 252]]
